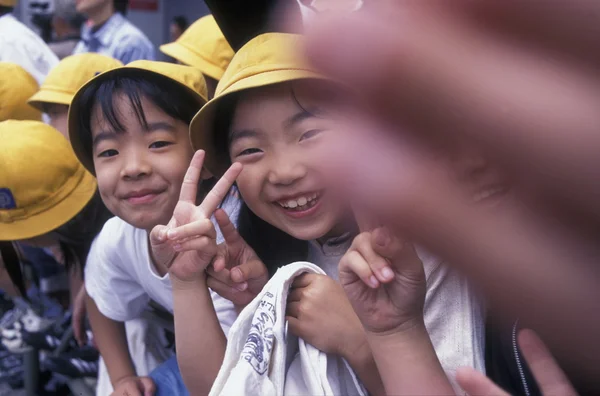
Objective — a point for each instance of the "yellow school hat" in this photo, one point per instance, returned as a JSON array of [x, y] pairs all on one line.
[[16, 86], [8, 3], [42, 185], [202, 45], [188, 78], [268, 59], [65, 79]]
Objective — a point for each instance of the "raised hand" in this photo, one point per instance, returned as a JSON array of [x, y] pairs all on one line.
[[384, 281], [237, 273], [190, 229]]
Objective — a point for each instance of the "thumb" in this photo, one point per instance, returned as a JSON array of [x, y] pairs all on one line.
[[147, 386], [158, 235], [253, 268], [221, 258]]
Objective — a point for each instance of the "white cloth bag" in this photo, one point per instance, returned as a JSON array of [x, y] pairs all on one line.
[[259, 358]]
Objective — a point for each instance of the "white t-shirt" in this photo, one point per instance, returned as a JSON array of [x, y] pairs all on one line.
[[20, 45], [121, 278]]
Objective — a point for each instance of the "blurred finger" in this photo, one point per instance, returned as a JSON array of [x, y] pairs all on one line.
[[219, 191], [475, 383], [549, 376], [223, 289], [473, 94], [189, 187], [192, 230], [158, 235], [220, 262]]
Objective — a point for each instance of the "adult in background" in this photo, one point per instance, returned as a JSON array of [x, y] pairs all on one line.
[[66, 24], [177, 27], [108, 32], [20, 45]]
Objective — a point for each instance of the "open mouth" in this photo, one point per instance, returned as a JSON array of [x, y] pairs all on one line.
[[300, 203]]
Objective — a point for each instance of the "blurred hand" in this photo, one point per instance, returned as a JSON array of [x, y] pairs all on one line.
[[548, 375], [134, 386], [520, 81]]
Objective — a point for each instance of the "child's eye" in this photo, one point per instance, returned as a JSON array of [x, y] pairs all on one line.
[[249, 152], [157, 145], [310, 134], [108, 153]]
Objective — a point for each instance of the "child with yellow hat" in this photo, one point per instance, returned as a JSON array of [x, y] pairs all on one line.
[[130, 127], [203, 46], [46, 198], [64, 80], [16, 86], [269, 113]]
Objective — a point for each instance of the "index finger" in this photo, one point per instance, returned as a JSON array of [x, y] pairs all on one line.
[[189, 187], [220, 190]]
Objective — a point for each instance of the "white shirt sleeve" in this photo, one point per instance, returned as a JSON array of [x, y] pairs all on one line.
[[116, 292], [454, 318]]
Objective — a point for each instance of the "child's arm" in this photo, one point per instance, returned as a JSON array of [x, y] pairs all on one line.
[[111, 340], [385, 283], [200, 340]]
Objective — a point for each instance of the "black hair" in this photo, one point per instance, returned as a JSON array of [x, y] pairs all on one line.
[[6, 10], [181, 22], [76, 236], [172, 99], [121, 6], [274, 247]]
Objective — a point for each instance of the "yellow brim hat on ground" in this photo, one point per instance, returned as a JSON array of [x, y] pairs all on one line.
[[202, 45], [188, 78], [42, 184], [16, 86], [65, 79], [268, 59]]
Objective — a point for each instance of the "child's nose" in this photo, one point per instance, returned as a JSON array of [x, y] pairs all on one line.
[[286, 172], [136, 166]]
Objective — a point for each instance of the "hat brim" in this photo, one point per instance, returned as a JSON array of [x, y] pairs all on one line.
[[75, 109], [51, 219], [202, 132], [190, 58], [47, 96]]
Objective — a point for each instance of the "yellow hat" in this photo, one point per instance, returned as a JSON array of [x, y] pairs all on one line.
[[202, 45], [268, 59], [16, 86], [42, 185], [8, 3], [69, 75], [188, 78]]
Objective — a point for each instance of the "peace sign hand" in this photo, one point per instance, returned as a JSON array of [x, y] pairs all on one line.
[[237, 273], [190, 228]]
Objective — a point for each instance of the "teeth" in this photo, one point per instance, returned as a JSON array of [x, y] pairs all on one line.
[[292, 204]]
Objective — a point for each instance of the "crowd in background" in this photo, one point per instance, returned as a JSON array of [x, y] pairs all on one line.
[[369, 207]]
